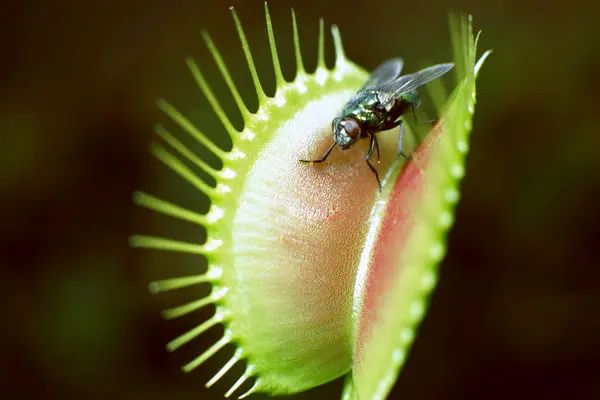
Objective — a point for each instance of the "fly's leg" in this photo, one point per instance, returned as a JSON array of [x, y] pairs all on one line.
[[400, 141], [392, 125], [412, 106], [368, 157], [431, 121], [320, 160], [376, 146]]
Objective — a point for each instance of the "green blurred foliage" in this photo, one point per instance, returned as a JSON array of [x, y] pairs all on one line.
[[515, 314]]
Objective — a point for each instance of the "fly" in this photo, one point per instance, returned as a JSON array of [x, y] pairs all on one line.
[[378, 106]]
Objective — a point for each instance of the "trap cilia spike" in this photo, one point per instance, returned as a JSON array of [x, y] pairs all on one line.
[[290, 250]]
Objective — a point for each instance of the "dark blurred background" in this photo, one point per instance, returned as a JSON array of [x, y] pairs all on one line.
[[516, 311]]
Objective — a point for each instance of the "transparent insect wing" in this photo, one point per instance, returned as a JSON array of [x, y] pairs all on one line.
[[410, 82], [386, 72]]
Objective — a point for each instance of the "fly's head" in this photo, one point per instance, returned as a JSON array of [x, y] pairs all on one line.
[[346, 131]]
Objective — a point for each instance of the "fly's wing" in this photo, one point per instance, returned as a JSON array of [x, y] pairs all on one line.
[[386, 72], [392, 90]]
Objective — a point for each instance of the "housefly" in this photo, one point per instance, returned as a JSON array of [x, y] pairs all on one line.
[[378, 106]]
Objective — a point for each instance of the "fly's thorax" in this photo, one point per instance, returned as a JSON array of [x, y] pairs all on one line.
[[361, 107], [367, 110], [359, 102]]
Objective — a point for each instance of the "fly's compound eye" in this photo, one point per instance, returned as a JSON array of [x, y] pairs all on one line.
[[351, 127]]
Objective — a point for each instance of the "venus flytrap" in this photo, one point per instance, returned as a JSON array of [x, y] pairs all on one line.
[[314, 273]]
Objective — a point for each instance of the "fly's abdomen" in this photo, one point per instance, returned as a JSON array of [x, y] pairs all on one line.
[[411, 98]]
